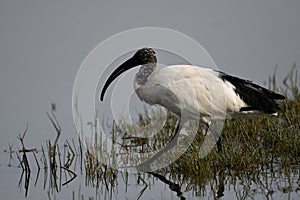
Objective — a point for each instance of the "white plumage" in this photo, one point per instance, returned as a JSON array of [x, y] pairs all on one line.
[[192, 90]]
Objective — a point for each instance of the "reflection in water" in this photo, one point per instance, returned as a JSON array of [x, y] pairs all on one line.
[[51, 165], [240, 185], [172, 185], [60, 173], [62, 163]]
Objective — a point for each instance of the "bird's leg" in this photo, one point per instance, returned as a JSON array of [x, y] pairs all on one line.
[[216, 136], [219, 146], [145, 166], [206, 130]]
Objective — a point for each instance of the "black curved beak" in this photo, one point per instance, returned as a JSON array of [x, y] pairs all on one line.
[[130, 63]]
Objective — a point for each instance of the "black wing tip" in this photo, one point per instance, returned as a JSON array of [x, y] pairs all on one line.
[[255, 96], [247, 109], [280, 97], [233, 79]]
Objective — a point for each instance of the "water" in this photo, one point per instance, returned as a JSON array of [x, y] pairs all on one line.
[[43, 183]]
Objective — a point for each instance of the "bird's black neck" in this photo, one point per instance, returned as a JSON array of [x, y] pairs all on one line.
[[144, 72]]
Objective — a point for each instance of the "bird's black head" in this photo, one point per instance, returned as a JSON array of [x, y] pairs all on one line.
[[145, 56], [141, 57]]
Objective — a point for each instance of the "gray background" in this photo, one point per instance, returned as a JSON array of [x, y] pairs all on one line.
[[42, 45]]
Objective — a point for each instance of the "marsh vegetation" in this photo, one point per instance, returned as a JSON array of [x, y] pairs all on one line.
[[259, 159]]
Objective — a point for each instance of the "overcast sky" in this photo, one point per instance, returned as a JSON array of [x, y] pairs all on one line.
[[42, 45]]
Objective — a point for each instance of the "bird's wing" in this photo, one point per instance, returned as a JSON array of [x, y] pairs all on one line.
[[191, 91], [255, 96]]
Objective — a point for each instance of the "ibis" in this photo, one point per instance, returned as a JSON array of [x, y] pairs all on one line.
[[195, 93]]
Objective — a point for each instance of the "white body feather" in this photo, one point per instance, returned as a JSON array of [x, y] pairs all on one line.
[[193, 93]]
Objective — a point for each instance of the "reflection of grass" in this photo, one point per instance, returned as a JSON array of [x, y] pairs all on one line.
[[250, 148], [55, 164]]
